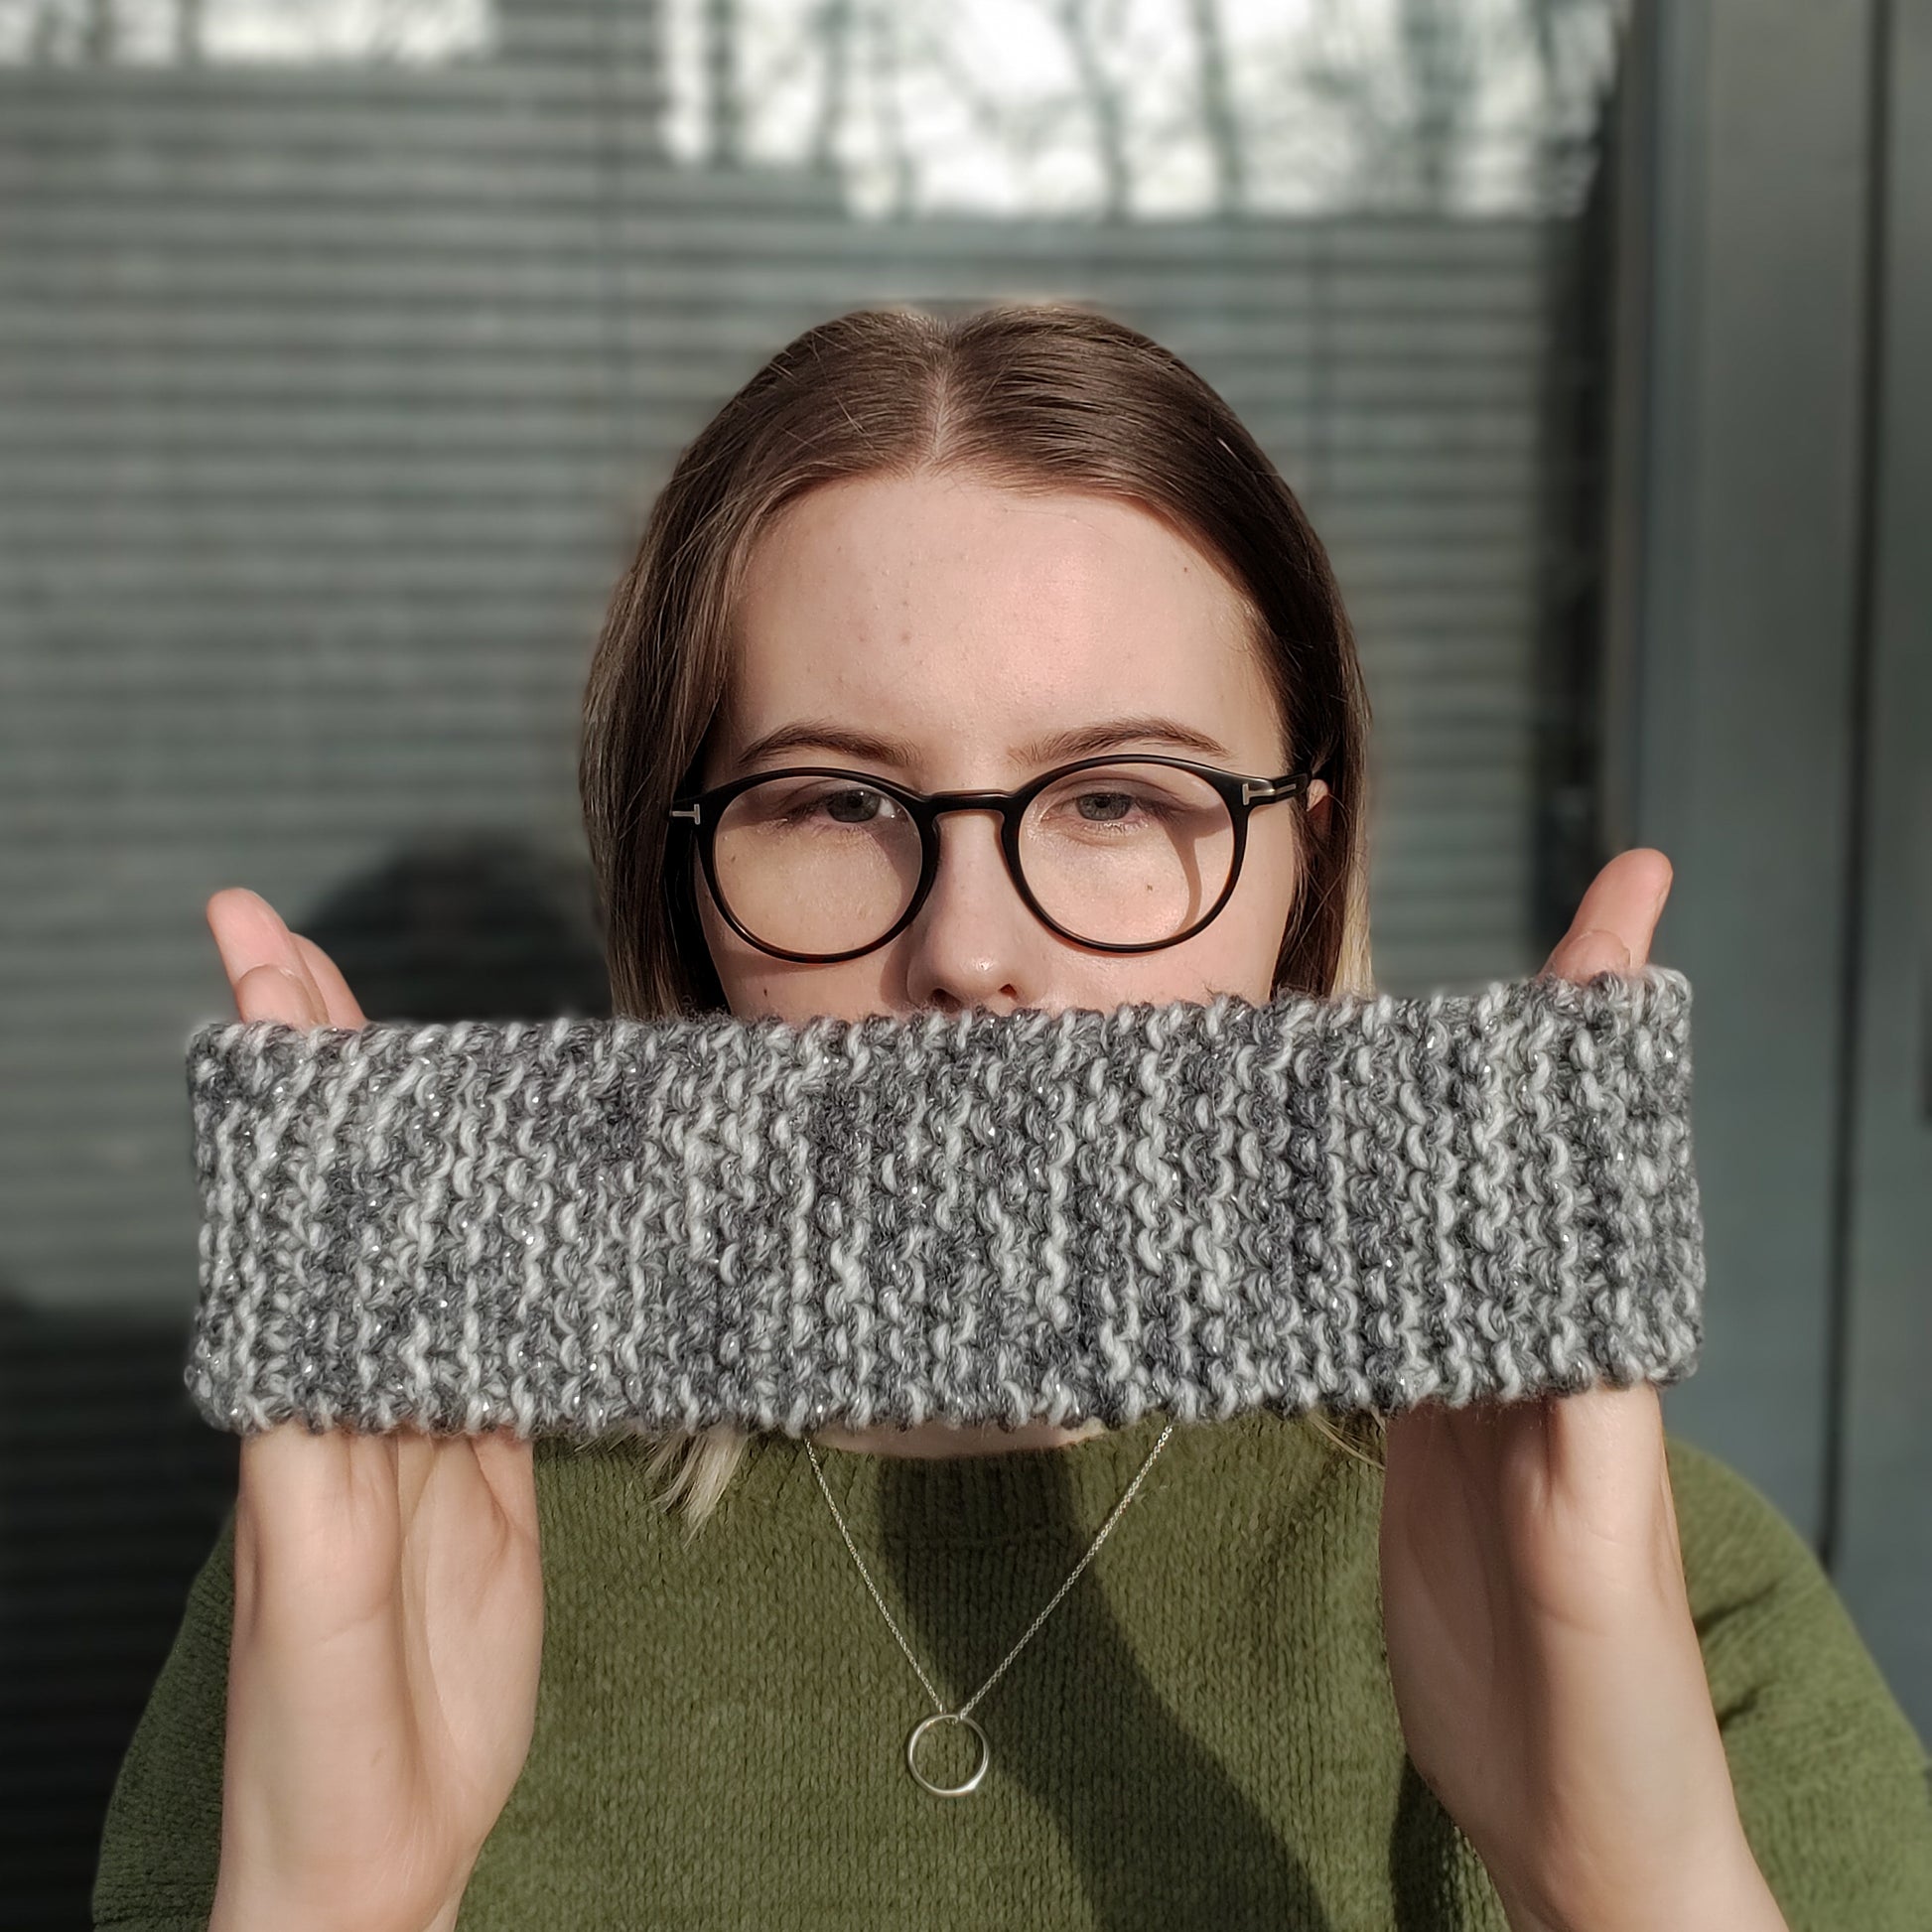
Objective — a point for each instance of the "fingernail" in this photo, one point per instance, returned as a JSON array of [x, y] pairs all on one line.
[[1605, 952]]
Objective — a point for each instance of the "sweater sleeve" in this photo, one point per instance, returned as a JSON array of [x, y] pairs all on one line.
[[161, 1837], [1834, 1784]]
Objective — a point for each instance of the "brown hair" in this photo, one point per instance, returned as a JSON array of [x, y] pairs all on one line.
[[1030, 397]]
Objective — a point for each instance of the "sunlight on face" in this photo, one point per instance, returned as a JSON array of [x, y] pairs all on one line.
[[966, 622]]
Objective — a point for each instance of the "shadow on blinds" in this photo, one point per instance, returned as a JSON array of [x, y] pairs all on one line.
[[112, 1490]]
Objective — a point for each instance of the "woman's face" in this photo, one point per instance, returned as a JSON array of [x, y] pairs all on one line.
[[963, 621]]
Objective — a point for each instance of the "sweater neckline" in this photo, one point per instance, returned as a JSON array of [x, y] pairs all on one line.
[[1028, 1493]]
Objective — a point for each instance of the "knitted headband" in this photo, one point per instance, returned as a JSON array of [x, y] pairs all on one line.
[[580, 1225]]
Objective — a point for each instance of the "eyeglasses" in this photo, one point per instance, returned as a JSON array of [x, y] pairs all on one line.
[[818, 863]]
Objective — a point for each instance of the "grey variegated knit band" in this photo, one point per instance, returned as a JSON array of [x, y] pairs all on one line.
[[1201, 1207]]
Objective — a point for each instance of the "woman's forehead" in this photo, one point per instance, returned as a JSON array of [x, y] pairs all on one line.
[[951, 595], [877, 546]]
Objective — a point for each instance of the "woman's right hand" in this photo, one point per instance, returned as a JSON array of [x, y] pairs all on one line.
[[388, 1616]]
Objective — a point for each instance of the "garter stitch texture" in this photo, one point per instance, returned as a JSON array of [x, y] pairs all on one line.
[[572, 1227]]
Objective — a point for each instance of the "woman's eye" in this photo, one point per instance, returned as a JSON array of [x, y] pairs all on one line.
[[847, 805], [855, 807], [1118, 807]]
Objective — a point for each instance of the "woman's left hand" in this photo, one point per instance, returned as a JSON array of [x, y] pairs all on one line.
[[1545, 1666]]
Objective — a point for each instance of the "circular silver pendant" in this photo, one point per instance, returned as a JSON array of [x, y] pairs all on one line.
[[921, 1728]]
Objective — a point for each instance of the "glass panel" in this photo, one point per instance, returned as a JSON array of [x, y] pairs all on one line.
[[345, 344]]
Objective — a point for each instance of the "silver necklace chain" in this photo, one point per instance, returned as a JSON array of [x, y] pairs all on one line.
[[964, 1713]]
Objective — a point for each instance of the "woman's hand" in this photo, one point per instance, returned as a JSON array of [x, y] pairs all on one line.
[[1540, 1649], [388, 1618]]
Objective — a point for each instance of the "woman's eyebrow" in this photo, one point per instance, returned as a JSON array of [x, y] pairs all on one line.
[[1056, 746]]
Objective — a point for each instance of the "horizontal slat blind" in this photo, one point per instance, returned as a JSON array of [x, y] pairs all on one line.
[[331, 399], [331, 404]]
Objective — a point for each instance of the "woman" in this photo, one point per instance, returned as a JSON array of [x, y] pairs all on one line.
[[1533, 1666]]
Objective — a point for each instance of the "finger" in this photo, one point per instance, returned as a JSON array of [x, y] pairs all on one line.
[[1617, 917], [309, 1492], [417, 1452], [1583, 955], [274, 992], [342, 1005], [506, 1460], [248, 932], [1610, 1462]]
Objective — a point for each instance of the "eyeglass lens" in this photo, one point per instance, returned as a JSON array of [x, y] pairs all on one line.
[[1120, 853]]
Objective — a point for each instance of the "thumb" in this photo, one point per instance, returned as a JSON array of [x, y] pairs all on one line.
[[1586, 953]]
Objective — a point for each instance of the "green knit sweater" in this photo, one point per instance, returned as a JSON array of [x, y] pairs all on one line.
[[1202, 1732]]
